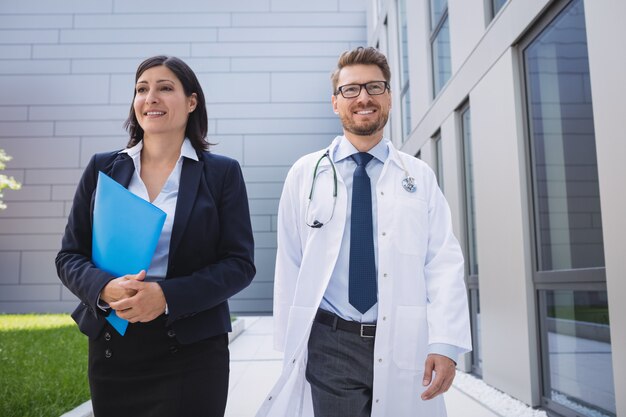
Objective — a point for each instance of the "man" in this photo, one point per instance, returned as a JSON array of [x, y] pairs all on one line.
[[370, 306]]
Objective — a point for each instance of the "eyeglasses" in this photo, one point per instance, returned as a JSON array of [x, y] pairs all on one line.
[[373, 88]]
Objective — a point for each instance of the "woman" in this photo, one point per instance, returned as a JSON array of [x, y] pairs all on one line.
[[173, 359]]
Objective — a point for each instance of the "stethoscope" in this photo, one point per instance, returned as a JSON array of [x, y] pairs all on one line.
[[408, 183]]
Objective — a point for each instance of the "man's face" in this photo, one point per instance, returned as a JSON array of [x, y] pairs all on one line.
[[364, 115]]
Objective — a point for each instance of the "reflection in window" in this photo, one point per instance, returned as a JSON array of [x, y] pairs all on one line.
[[577, 336], [440, 44], [438, 159], [576, 347], [496, 5], [477, 351], [567, 197], [437, 10], [405, 97], [472, 262]]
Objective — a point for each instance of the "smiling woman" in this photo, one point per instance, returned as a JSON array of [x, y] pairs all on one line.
[[174, 354]]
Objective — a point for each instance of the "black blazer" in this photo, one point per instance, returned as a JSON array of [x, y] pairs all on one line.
[[211, 255]]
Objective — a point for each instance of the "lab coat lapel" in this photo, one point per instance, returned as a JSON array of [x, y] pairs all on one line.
[[187, 191]]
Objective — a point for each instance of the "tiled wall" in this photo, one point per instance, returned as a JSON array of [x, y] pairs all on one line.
[[66, 82]]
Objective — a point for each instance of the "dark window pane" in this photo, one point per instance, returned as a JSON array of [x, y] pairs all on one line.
[[404, 71], [496, 5], [578, 345], [565, 173], [437, 7], [477, 353], [406, 112], [404, 44], [471, 261], [442, 68], [439, 159]]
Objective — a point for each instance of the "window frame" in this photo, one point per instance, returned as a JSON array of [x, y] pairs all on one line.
[[434, 32], [582, 279], [472, 281]]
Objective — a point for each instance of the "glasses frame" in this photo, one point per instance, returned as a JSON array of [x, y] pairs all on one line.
[[340, 88]]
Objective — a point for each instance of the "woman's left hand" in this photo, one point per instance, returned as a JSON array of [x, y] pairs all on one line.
[[148, 304]]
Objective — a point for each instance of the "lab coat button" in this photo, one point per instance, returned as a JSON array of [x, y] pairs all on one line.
[[380, 360], [108, 353], [107, 336], [384, 234]]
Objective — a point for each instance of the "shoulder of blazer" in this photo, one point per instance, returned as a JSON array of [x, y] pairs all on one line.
[[104, 161]]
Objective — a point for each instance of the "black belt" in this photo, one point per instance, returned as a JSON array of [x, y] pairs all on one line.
[[329, 319]]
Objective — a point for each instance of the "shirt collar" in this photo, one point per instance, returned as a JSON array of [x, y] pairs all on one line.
[[345, 149], [187, 150]]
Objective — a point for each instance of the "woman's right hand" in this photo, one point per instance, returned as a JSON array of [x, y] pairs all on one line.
[[113, 291]]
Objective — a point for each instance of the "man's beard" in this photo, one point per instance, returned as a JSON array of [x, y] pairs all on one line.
[[365, 129]]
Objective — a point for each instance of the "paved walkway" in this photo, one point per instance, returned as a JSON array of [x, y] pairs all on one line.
[[255, 367]]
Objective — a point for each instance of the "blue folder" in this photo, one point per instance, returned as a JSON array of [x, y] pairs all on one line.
[[126, 230]]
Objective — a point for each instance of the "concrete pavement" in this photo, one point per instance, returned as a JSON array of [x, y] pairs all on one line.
[[255, 366]]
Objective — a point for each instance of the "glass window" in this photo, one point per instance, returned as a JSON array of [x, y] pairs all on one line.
[[472, 261], [567, 196], [438, 159], [477, 352], [437, 10], [405, 96], [578, 347], [573, 309], [440, 44], [496, 5]]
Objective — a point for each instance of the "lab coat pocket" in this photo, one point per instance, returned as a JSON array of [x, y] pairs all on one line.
[[298, 329], [410, 337], [411, 228]]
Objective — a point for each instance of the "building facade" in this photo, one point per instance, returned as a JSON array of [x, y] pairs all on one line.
[[66, 83], [517, 106]]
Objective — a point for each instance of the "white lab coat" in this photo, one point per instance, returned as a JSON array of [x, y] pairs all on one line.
[[422, 297]]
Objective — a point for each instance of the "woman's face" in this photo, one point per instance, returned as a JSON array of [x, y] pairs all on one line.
[[160, 105]]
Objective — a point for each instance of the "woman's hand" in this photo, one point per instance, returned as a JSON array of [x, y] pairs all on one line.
[[113, 291], [147, 303]]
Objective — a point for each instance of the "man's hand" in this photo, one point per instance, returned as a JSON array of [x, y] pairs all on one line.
[[445, 371], [113, 291], [147, 304]]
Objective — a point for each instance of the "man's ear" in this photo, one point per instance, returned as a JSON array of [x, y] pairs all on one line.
[[333, 99]]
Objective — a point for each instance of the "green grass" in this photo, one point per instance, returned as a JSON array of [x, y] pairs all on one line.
[[43, 365]]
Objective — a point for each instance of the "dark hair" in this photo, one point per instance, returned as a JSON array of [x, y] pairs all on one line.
[[361, 56], [197, 124]]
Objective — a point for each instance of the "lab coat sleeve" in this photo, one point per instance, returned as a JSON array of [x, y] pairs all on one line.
[[288, 256], [447, 308]]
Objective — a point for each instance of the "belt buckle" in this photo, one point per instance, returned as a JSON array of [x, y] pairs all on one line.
[[363, 326]]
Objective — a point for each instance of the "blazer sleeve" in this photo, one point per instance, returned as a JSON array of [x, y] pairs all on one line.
[[73, 262], [234, 267]]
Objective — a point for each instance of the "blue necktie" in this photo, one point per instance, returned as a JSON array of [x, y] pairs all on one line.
[[362, 282]]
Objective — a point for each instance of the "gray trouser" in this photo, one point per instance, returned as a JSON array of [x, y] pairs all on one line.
[[340, 370]]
